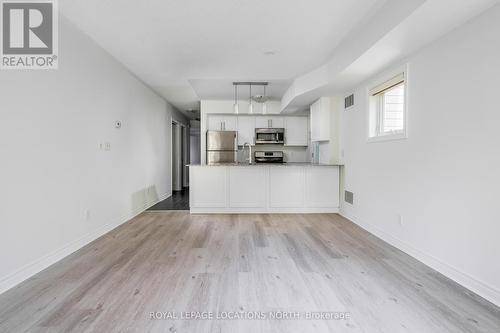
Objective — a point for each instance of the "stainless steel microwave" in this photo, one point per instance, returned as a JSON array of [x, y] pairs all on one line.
[[270, 136]]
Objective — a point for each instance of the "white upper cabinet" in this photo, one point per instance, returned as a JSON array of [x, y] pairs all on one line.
[[320, 120], [230, 123], [222, 123], [296, 131], [246, 130], [269, 122], [215, 123], [296, 127]]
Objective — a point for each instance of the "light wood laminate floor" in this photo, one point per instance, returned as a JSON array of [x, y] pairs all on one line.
[[173, 262]]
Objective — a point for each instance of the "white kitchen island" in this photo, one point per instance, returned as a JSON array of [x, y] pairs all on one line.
[[264, 188]]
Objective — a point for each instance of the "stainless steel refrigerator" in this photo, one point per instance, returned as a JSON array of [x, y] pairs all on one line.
[[222, 147]]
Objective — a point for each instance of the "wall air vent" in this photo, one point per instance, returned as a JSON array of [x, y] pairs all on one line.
[[349, 101], [349, 197]]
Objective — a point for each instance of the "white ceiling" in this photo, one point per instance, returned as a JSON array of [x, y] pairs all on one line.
[[224, 89], [188, 50], [395, 31]]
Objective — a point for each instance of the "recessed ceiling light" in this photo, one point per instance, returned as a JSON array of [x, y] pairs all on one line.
[[269, 53]]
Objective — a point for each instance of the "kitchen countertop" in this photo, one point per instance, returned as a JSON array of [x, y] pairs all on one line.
[[266, 164]]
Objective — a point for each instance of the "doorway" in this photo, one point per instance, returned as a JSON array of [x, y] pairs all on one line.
[[179, 200]]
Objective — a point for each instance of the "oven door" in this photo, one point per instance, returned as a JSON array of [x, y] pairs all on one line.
[[278, 160]]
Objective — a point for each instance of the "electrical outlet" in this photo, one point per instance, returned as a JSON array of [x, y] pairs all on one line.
[[400, 220], [86, 214]]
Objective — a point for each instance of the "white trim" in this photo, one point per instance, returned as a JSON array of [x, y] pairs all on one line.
[[248, 210], [388, 137], [479, 287], [38, 265], [388, 83]]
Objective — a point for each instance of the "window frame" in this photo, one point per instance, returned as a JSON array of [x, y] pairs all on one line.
[[371, 128]]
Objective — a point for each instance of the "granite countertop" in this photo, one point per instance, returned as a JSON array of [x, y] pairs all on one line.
[[268, 164]]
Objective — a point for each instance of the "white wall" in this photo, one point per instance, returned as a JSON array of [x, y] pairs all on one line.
[[443, 180], [51, 169]]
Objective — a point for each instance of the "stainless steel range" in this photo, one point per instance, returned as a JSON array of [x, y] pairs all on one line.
[[269, 157]]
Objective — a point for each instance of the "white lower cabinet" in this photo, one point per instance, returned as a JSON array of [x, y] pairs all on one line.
[[322, 186], [208, 187], [247, 187], [264, 189], [286, 187]]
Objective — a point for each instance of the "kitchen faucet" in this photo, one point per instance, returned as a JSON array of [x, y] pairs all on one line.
[[249, 152]]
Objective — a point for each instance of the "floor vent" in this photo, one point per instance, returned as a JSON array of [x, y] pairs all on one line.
[[349, 101], [349, 197]]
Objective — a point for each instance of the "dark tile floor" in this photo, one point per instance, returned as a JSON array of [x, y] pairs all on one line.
[[178, 201]]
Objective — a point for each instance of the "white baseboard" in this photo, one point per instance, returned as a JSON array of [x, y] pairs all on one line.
[[480, 288], [292, 210], [42, 263]]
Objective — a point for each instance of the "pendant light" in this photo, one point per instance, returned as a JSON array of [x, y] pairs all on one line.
[[264, 106], [235, 106], [250, 106]]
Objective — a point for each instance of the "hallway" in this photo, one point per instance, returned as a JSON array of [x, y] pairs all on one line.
[[178, 201]]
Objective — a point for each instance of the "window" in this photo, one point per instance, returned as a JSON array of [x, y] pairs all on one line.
[[387, 110]]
